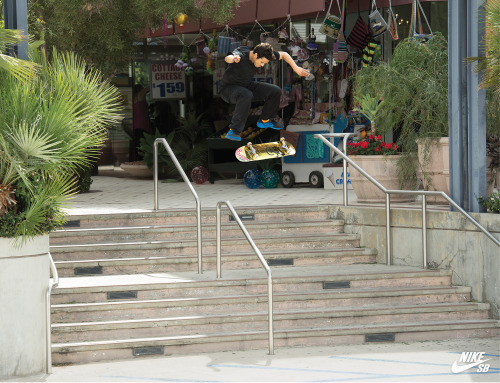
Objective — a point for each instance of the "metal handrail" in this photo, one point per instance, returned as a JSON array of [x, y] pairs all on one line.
[[53, 285], [261, 259], [186, 180], [423, 193]]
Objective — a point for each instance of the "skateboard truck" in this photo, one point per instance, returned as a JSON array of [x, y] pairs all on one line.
[[283, 146], [251, 151]]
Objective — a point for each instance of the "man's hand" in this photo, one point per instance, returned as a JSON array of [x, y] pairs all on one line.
[[302, 72], [230, 59]]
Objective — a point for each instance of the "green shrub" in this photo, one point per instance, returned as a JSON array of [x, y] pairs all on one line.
[[492, 203]]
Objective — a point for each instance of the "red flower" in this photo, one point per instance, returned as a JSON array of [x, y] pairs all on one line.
[[372, 145]]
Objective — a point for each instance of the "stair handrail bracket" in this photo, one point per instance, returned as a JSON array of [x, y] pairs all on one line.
[[423, 193], [52, 285], [188, 183], [261, 259]]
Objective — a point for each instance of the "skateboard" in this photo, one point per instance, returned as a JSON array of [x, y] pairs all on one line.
[[264, 151]]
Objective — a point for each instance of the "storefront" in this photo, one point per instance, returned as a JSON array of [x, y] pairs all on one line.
[[182, 65]]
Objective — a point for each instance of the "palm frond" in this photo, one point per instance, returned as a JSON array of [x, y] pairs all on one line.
[[21, 69]]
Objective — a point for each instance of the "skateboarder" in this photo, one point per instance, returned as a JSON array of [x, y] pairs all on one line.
[[238, 88]]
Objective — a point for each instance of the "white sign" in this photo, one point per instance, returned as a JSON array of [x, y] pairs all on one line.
[[167, 81], [334, 178]]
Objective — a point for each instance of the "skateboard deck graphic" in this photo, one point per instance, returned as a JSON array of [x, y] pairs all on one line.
[[264, 151]]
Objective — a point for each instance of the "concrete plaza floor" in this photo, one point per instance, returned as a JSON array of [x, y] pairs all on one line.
[[430, 361]]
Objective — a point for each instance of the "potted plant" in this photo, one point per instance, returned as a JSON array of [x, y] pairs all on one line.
[[380, 160], [375, 156], [52, 122], [414, 86]]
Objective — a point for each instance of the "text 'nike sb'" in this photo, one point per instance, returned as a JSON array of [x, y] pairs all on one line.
[[472, 359]]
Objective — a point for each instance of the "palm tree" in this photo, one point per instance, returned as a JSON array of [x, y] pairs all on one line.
[[52, 122]]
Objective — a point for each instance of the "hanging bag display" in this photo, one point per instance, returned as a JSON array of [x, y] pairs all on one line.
[[369, 52], [331, 23], [392, 23], [377, 22], [340, 46], [416, 13], [360, 34]]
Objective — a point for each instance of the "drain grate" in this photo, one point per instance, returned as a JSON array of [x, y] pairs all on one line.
[[390, 337], [280, 262], [337, 285], [141, 351], [88, 270], [243, 217], [75, 223], [122, 295]]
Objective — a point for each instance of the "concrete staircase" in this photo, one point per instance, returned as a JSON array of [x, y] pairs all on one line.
[[129, 287]]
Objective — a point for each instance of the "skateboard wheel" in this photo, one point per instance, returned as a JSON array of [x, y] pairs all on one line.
[[287, 179], [316, 179]]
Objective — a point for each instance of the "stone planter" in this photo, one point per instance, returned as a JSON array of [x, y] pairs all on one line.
[[384, 170], [120, 150], [434, 160], [24, 280]]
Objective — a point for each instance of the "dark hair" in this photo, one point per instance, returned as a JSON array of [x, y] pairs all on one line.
[[264, 50]]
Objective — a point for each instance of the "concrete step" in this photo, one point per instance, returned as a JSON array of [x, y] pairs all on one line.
[[188, 216], [284, 320], [189, 246], [147, 309], [160, 264], [170, 232], [97, 289], [87, 352]]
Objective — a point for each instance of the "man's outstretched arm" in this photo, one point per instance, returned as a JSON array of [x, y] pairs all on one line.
[[300, 71]]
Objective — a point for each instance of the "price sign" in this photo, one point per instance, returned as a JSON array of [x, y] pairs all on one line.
[[167, 81]]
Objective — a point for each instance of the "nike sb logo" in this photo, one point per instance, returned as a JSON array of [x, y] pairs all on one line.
[[471, 359]]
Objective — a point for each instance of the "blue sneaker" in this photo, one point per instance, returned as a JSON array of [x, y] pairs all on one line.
[[233, 135], [273, 124]]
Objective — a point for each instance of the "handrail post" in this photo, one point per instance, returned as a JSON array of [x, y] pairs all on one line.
[[188, 183], [270, 319], [48, 341], [155, 171], [218, 240], [424, 229], [262, 261], [388, 227], [344, 170]]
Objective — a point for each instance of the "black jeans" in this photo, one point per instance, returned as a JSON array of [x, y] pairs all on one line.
[[243, 97]]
